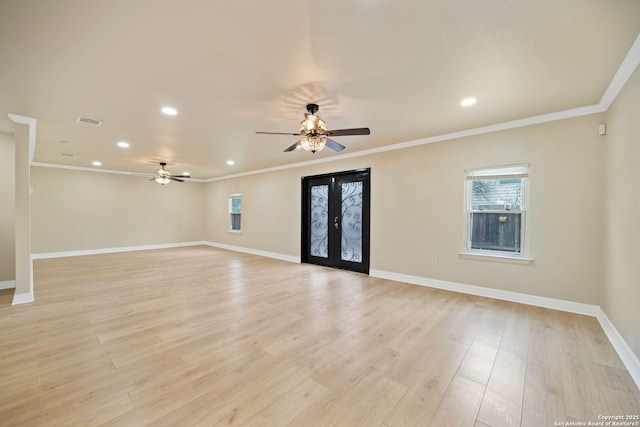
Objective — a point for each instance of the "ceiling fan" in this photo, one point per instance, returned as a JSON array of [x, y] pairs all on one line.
[[314, 135], [163, 176]]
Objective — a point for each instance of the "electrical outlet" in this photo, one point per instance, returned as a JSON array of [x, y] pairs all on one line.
[[434, 259]]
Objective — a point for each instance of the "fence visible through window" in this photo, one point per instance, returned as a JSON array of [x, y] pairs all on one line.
[[496, 209]]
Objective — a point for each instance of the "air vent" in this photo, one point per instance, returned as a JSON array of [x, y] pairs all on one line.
[[88, 121], [67, 155]]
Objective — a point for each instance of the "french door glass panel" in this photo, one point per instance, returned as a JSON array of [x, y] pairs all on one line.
[[351, 241], [319, 236]]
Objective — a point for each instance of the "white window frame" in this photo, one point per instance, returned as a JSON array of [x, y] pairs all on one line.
[[230, 213], [520, 171]]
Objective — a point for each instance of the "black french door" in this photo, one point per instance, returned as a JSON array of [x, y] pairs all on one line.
[[335, 220]]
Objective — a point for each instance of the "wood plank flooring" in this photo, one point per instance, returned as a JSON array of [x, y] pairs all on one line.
[[199, 336]]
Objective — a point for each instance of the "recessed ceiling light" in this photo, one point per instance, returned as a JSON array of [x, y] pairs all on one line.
[[123, 144], [231, 162], [169, 111], [96, 163], [185, 173], [468, 101]]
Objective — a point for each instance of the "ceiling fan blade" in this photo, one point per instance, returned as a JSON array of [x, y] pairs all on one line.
[[345, 132], [173, 178], [293, 147], [278, 133], [334, 145]]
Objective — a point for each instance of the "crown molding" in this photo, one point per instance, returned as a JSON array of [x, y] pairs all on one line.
[[31, 122], [627, 67], [544, 118], [109, 171]]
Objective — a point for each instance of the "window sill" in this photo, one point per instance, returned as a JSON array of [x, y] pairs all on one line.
[[235, 231], [500, 257]]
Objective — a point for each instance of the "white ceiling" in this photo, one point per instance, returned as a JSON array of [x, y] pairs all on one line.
[[235, 67]]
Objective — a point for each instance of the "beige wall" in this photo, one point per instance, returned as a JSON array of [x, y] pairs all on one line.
[[7, 207], [75, 210], [582, 217], [417, 202], [621, 285], [270, 215]]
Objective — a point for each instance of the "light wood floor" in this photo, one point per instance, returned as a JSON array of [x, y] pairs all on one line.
[[201, 336]]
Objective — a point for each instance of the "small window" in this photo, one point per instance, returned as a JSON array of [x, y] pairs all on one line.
[[496, 208], [235, 212]]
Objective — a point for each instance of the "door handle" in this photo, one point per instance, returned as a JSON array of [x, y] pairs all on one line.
[[335, 223]]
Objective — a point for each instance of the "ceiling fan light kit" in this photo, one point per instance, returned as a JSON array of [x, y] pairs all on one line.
[[314, 135], [164, 177], [313, 143], [314, 130], [162, 180]]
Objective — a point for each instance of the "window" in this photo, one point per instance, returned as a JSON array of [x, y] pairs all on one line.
[[235, 212], [496, 208]]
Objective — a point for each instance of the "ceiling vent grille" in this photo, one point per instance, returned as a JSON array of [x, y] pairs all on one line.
[[88, 121]]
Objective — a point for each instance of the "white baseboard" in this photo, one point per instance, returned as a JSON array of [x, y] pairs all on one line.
[[266, 254], [628, 357], [555, 304], [22, 298], [7, 284], [46, 255], [630, 360]]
